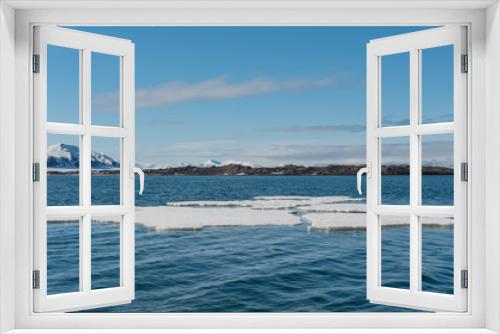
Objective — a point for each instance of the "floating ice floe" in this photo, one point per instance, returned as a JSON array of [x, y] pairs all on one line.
[[266, 202], [327, 213], [335, 221], [288, 198], [211, 204], [357, 221], [163, 218], [334, 208]]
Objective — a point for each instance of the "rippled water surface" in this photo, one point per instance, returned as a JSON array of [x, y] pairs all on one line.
[[247, 269]]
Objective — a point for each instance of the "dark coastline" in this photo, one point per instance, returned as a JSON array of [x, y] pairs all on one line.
[[287, 170]]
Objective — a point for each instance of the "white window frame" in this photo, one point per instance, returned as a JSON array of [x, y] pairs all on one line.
[[16, 20], [413, 44], [85, 44]]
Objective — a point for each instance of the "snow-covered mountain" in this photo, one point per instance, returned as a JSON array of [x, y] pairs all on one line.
[[103, 161], [143, 165], [216, 163], [235, 162], [211, 163], [65, 156]]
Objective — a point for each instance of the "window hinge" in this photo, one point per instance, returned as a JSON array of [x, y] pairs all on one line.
[[36, 172], [465, 64], [36, 279], [464, 279], [464, 171], [36, 63]]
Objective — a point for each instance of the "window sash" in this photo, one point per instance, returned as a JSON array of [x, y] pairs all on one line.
[[413, 43], [86, 297]]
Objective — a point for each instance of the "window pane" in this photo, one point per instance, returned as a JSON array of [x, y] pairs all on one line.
[[437, 84], [395, 251], [437, 169], [63, 254], [105, 171], [106, 252], [395, 170], [63, 84], [395, 89], [105, 89], [437, 254], [63, 174]]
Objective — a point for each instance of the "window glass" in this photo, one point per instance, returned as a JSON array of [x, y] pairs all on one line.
[[105, 160], [63, 84], [63, 170], [437, 84], [395, 89], [395, 170], [395, 251], [437, 254], [437, 169], [63, 254], [106, 252], [105, 89]]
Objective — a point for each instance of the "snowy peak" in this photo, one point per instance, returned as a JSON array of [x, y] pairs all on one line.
[[216, 163], [211, 163], [65, 156], [66, 151], [151, 166], [103, 161], [242, 163]]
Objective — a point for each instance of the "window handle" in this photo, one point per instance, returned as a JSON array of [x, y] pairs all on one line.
[[136, 170], [361, 171]]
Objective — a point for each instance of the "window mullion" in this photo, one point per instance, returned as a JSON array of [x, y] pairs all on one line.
[[415, 179], [85, 173]]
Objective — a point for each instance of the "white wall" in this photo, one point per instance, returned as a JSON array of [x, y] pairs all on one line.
[[488, 197], [492, 210], [7, 149]]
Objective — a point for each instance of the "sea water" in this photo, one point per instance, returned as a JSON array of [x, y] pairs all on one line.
[[247, 269]]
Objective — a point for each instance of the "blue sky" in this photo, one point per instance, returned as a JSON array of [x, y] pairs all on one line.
[[264, 95]]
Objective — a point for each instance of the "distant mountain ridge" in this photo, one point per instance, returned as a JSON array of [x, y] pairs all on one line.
[[216, 163], [66, 156], [290, 170], [65, 159]]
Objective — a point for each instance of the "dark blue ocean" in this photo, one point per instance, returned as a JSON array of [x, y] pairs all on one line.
[[248, 269]]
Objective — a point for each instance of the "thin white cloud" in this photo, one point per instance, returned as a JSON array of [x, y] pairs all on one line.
[[316, 128], [219, 88], [436, 153], [272, 154]]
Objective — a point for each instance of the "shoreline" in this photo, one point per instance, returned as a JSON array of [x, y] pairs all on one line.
[[243, 170]]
